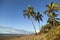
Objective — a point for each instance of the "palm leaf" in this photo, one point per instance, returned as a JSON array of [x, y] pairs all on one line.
[[57, 8], [47, 6], [57, 18], [56, 5], [38, 16], [45, 11], [51, 4], [54, 14], [24, 10], [41, 19]]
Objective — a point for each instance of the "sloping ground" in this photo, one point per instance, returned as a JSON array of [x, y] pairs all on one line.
[[32, 37], [29, 37], [7, 37], [54, 33]]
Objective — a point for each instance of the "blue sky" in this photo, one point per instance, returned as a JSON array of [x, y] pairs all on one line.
[[11, 14]]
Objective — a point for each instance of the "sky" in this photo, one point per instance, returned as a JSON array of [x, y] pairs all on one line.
[[11, 13]]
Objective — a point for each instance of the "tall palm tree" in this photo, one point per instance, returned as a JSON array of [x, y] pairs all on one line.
[[29, 13], [38, 17], [52, 8]]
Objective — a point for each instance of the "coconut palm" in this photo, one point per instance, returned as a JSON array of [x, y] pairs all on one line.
[[29, 13], [52, 8], [53, 19], [38, 17]]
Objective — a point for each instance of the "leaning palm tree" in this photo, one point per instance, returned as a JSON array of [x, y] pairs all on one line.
[[38, 17], [52, 8], [53, 19], [29, 13]]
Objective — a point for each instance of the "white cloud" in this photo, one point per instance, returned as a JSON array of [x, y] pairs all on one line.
[[5, 30]]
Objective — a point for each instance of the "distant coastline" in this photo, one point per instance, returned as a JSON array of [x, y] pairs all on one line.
[[12, 34]]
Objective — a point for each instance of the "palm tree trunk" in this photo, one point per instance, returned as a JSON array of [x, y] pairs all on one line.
[[53, 23], [34, 27]]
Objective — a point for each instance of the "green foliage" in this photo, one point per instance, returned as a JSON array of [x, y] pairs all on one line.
[[38, 16], [29, 12], [54, 33], [45, 28], [51, 9]]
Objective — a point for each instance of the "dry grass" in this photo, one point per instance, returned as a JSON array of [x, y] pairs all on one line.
[[29, 37]]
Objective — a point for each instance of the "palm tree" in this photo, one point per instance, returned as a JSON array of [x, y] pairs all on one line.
[[38, 17], [53, 19], [29, 13], [52, 8]]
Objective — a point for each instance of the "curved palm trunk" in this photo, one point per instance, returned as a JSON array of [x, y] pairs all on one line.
[[34, 27], [53, 23]]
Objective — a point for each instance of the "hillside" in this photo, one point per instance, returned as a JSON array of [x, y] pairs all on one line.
[[54, 33]]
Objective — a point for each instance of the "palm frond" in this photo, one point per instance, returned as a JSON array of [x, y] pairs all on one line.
[[48, 20], [57, 18], [57, 8], [41, 19], [45, 11], [38, 16], [24, 15], [24, 10], [51, 3], [54, 14], [56, 5]]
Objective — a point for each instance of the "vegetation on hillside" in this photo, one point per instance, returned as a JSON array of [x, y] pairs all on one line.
[[54, 33]]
